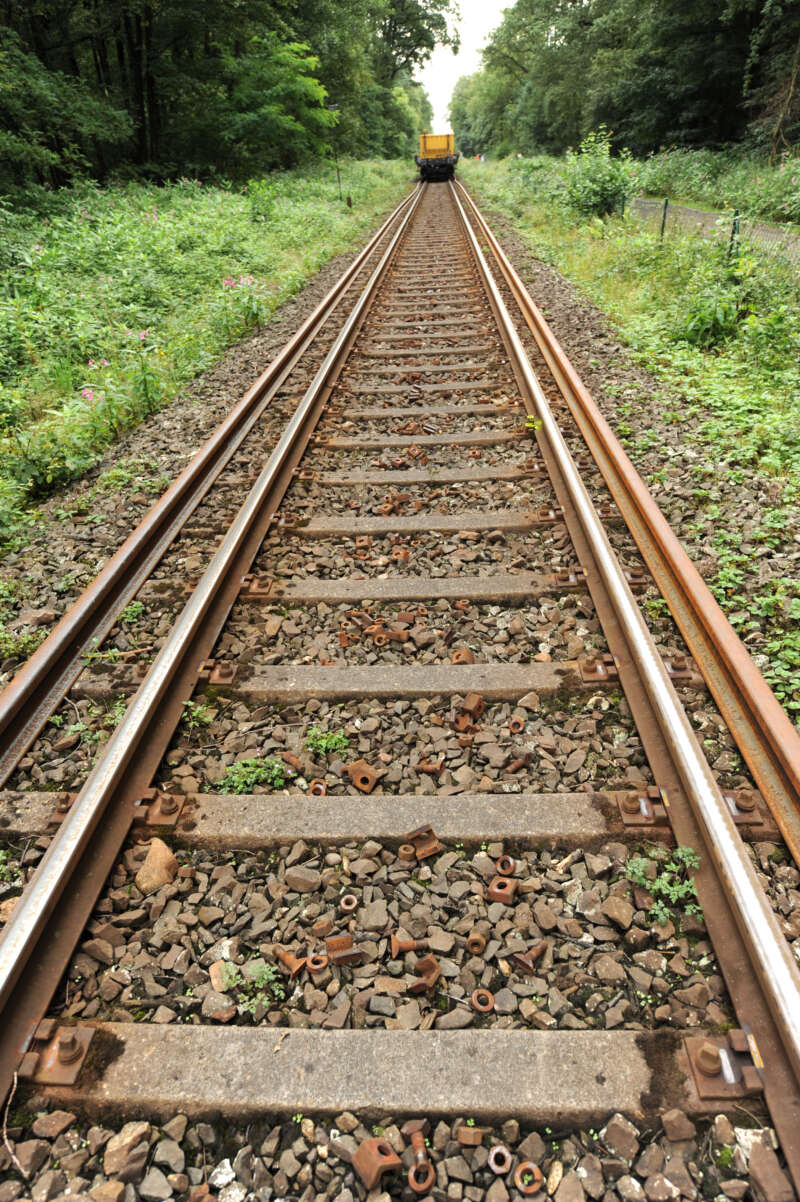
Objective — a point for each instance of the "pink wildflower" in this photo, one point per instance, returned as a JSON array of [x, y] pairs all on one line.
[[87, 394], [143, 334]]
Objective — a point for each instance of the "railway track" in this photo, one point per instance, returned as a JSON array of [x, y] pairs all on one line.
[[368, 840]]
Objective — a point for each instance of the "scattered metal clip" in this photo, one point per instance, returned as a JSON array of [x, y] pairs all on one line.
[[421, 1175], [362, 775], [502, 889], [482, 1001], [526, 961], [500, 1160], [532, 1171], [373, 1158], [424, 842], [428, 971], [341, 950]]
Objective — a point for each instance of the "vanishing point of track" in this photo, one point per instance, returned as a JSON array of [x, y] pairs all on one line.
[[440, 449]]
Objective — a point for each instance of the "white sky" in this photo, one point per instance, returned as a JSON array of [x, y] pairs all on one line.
[[478, 19]]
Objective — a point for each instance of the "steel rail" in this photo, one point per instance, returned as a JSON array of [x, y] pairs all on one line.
[[767, 948], [768, 740], [144, 733], [31, 696]]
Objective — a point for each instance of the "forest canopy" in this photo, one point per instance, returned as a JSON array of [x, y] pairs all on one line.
[[698, 73], [160, 88]]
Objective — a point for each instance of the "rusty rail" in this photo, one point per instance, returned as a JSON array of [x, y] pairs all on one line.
[[740, 920], [764, 733], [31, 696], [37, 942]]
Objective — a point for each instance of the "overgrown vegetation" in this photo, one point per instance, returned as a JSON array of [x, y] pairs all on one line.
[[721, 330], [724, 180], [207, 87], [657, 72], [17, 642], [118, 297], [667, 877]]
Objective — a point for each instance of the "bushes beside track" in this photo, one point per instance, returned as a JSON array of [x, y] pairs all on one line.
[[113, 298]]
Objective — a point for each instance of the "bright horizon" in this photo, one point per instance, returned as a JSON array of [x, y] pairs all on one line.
[[440, 74]]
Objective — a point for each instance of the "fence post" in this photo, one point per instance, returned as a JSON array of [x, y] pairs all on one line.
[[622, 206], [664, 217], [734, 233]]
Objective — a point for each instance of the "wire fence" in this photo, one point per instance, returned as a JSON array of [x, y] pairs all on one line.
[[737, 228]]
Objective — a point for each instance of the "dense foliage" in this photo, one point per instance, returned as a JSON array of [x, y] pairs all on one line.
[[121, 294], [657, 72], [724, 180], [169, 87], [720, 329]]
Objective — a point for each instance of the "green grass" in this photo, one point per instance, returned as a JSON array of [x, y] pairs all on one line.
[[244, 775], [115, 298], [722, 334]]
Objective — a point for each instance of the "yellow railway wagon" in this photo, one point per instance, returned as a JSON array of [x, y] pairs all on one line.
[[437, 156]]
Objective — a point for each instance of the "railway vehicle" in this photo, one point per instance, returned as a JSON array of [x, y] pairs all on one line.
[[437, 156]]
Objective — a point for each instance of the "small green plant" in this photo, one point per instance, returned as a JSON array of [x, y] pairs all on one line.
[[132, 613], [298, 1118], [196, 716], [19, 644], [321, 742], [257, 989], [725, 1157], [243, 776], [9, 869], [229, 975], [668, 881]]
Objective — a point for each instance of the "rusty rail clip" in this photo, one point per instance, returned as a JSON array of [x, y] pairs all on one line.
[[57, 1053], [158, 808], [725, 1066], [254, 587], [603, 667], [644, 807], [216, 672], [745, 805]]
